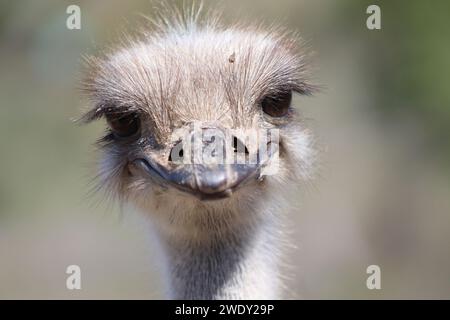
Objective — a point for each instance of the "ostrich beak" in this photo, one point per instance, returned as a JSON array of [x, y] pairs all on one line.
[[206, 181]]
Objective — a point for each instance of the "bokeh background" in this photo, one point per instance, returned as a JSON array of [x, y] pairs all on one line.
[[382, 124]]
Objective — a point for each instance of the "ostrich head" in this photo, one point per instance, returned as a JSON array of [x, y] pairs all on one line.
[[192, 85]]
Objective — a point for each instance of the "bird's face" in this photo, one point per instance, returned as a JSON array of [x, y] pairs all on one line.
[[200, 117]]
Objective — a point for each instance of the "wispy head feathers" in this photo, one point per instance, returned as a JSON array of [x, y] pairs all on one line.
[[188, 66]]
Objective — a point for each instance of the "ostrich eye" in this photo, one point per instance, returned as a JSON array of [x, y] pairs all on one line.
[[277, 105], [123, 125]]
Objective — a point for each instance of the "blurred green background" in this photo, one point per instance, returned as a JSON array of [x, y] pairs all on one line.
[[382, 123]]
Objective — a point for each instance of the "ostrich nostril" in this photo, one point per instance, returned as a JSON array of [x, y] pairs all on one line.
[[240, 151], [239, 146], [176, 153]]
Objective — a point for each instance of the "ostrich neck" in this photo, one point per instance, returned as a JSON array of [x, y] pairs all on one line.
[[239, 264]]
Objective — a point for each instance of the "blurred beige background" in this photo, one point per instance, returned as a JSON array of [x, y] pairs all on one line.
[[382, 123]]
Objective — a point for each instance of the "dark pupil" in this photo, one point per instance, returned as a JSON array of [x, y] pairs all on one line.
[[278, 105], [125, 125]]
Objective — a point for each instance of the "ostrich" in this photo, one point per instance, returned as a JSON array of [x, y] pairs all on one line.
[[219, 225]]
